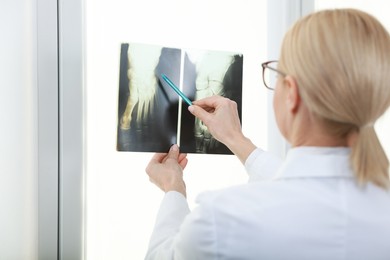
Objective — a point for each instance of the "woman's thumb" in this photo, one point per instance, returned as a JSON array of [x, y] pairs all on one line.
[[174, 152]]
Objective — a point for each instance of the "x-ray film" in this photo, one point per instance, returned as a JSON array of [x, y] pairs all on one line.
[[151, 116]]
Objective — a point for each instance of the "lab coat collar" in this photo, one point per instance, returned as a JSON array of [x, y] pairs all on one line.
[[316, 162]]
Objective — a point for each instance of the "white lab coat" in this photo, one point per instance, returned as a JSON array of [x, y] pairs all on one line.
[[311, 209]]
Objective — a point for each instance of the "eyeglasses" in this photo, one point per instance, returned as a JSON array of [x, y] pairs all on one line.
[[270, 73]]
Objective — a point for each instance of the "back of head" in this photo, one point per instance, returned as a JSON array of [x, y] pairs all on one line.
[[341, 61]]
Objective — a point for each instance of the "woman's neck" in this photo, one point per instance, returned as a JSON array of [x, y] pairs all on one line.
[[309, 131]]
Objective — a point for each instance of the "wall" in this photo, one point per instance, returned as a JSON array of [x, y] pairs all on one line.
[[18, 139]]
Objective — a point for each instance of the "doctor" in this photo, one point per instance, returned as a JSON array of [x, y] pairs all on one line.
[[330, 198]]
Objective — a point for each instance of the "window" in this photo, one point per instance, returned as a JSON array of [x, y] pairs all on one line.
[[121, 203]]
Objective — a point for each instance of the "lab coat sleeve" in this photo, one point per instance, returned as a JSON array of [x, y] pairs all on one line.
[[197, 238], [173, 209], [261, 165], [184, 237]]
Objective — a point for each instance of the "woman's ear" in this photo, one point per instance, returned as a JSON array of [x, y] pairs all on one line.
[[293, 98]]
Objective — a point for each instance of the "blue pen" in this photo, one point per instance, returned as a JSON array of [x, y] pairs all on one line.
[[181, 94]]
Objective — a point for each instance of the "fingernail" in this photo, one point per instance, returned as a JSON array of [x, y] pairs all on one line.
[[174, 148], [191, 109]]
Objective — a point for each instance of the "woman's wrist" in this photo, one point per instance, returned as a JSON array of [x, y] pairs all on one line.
[[176, 186], [241, 146]]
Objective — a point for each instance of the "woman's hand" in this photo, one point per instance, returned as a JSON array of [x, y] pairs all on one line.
[[220, 115], [166, 170]]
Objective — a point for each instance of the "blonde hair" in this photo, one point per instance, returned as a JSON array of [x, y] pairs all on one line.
[[341, 62]]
